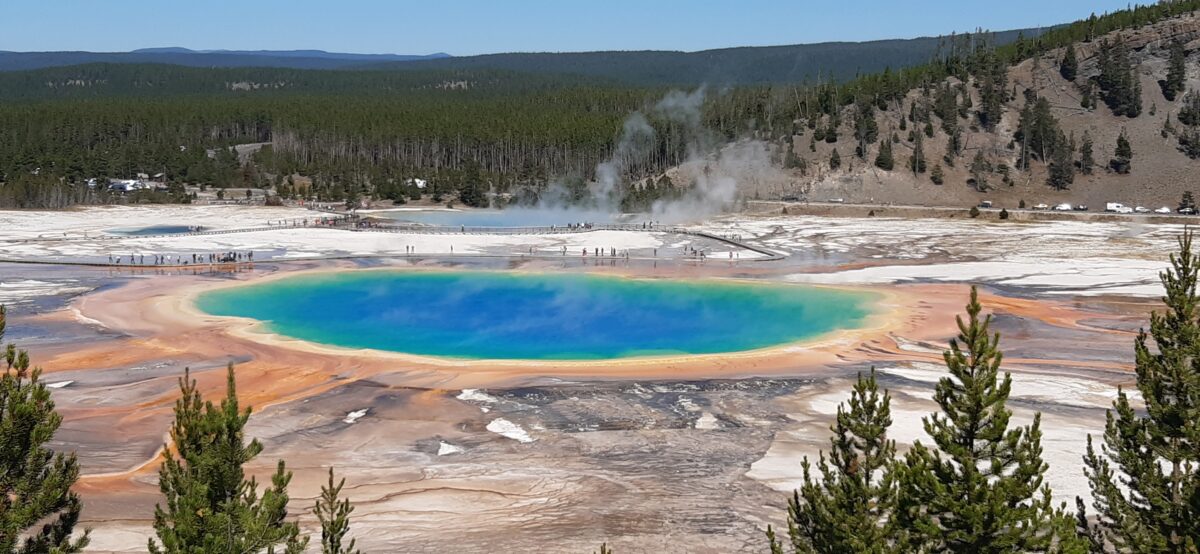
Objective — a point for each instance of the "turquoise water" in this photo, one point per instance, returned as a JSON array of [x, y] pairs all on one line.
[[497, 315]]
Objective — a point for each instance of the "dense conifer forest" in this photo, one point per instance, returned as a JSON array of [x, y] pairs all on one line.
[[365, 133]]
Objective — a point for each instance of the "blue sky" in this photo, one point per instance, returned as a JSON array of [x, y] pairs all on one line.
[[463, 27]]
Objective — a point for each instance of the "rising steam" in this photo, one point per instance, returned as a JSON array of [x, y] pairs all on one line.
[[711, 173]]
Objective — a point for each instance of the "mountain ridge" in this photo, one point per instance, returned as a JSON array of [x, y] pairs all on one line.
[[838, 61], [293, 59], [298, 53]]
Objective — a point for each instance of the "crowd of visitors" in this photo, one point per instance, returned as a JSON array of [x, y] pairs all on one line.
[[182, 259]]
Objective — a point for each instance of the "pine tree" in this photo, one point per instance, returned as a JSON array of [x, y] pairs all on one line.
[[1145, 480], [1087, 96], [1133, 107], [1189, 112], [954, 143], [993, 90], [35, 481], [1123, 157], [936, 175], [980, 168], [831, 132], [334, 515], [835, 160], [945, 105], [776, 546], [964, 107], [1087, 160], [1189, 142], [1037, 131], [1062, 164], [884, 159], [1176, 71], [210, 507], [1119, 84], [981, 490], [790, 160], [1069, 67], [916, 162], [849, 507], [866, 130]]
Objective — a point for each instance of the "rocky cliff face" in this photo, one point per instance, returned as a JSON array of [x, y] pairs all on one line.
[[1149, 40]]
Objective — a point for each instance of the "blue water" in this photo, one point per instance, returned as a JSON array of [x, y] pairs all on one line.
[[511, 217], [155, 230], [498, 315]]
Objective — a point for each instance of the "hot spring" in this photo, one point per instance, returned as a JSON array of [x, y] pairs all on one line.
[[511, 217], [156, 230], [497, 315]]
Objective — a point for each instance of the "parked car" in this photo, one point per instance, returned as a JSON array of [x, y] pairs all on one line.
[[1041, 207], [1063, 208], [985, 204], [1187, 211], [1081, 208], [1117, 208], [837, 200], [1141, 210], [1163, 210]]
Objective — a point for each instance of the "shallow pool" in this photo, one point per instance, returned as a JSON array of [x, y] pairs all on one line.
[[500, 315], [512, 217], [156, 230]]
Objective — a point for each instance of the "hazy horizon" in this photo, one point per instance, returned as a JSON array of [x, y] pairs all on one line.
[[474, 27]]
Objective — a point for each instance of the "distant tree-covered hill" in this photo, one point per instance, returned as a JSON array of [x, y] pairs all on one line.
[[98, 80], [297, 59], [315, 54], [800, 63]]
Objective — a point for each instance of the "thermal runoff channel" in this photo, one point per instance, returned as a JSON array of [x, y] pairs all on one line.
[[493, 315]]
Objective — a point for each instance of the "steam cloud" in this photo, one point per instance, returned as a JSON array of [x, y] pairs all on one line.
[[710, 173]]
